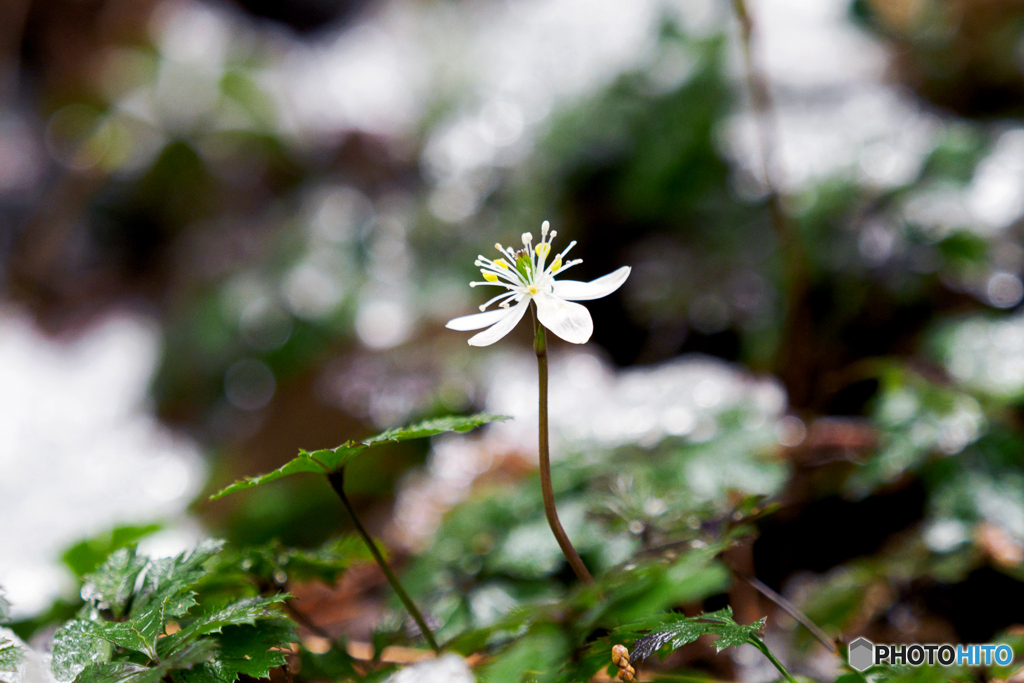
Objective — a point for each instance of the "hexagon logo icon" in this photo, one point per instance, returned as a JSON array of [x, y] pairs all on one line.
[[862, 654]]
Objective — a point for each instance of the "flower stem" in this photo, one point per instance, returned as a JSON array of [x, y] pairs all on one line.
[[540, 346], [337, 480]]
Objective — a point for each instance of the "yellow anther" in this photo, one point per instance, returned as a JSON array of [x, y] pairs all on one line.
[[489, 276], [543, 249], [502, 263], [556, 266]]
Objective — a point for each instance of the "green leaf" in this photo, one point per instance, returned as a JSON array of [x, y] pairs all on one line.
[[132, 635], [244, 650], [302, 463], [120, 672], [5, 608], [191, 654], [535, 657], [200, 673], [440, 425], [10, 655], [333, 665], [167, 583], [255, 650], [238, 613], [676, 630], [325, 563], [215, 646], [76, 645], [165, 592], [132, 672], [88, 555], [111, 586], [330, 459]]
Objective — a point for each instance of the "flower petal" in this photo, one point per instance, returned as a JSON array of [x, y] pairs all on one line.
[[574, 290], [477, 321], [571, 322], [502, 327]]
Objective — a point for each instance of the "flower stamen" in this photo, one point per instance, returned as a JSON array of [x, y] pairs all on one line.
[[503, 295]]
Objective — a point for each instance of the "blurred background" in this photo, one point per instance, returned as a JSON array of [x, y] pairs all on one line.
[[232, 229]]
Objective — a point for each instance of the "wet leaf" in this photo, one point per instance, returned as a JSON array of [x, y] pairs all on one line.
[[206, 643], [112, 584], [675, 631], [10, 655], [330, 459]]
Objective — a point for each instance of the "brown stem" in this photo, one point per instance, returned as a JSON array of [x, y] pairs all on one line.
[[540, 346], [337, 480], [304, 620], [794, 348]]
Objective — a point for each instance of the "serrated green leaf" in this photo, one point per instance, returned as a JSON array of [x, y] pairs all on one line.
[[208, 648], [330, 459], [200, 673], [165, 592], [191, 654], [10, 655], [76, 646], [120, 672], [148, 592], [131, 635], [440, 425], [676, 630], [302, 463], [89, 554], [167, 582], [110, 587], [187, 657], [247, 650], [733, 634], [242, 612], [254, 650]]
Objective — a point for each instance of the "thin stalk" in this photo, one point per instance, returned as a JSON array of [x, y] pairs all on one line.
[[793, 611], [301, 617], [337, 480], [794, 348], [771, 658], [540, 346]]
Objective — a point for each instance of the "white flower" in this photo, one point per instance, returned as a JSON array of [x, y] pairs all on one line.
[[525, 278]]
